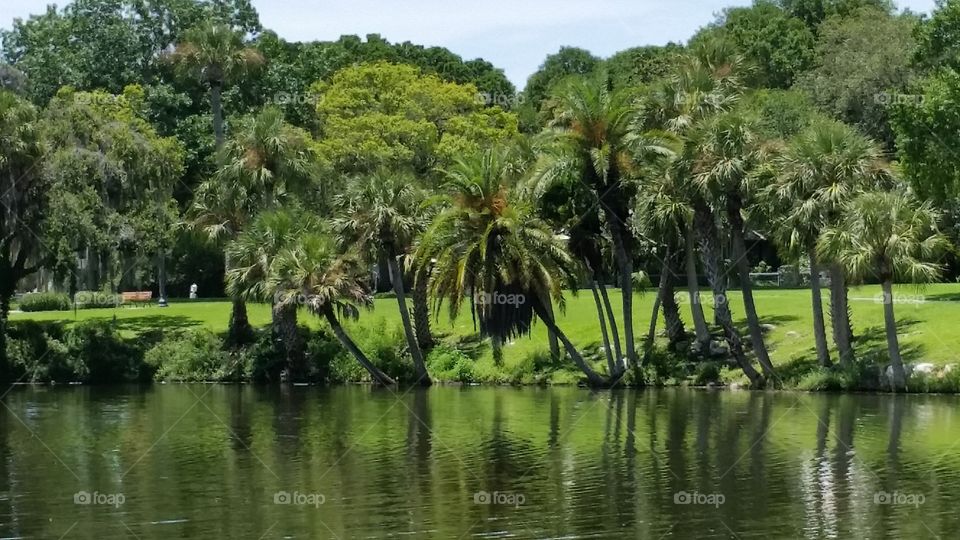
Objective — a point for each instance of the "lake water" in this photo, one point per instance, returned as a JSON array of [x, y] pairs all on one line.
[[207, 461]]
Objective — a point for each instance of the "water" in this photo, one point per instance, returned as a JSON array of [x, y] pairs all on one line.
[[206, 461]]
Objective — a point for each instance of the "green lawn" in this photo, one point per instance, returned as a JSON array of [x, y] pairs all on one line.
[[927, 330]]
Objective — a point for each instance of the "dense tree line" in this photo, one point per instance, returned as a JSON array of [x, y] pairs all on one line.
[[145, 139]]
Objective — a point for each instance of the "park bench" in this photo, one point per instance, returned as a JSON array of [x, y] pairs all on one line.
[[137, 297]]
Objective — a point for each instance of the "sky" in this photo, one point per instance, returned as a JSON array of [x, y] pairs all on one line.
[[515, 35]]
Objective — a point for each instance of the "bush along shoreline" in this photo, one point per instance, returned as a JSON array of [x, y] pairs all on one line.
[[95, 352]]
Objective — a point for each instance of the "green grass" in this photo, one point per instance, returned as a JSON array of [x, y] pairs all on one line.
[[927, 329]]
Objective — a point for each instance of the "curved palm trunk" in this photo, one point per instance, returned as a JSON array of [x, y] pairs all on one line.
[[285, 331], [420, 368], [899, 381], [840, 315], [611, 367], [612, 322], [710, 257], [216, 105], [693, 290], [734, 205], [593, 379], [421, 310], [5, 294], [819, 329], [378, 376]]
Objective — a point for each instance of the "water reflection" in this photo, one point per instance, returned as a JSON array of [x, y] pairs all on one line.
[[200, 462]]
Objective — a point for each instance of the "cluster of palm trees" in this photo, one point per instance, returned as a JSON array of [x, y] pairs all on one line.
[[678, 173]]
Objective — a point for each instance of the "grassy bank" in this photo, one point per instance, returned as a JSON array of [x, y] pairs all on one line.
[[926, 320]]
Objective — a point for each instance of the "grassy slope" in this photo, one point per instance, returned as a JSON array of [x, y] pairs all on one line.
[[927, 329]]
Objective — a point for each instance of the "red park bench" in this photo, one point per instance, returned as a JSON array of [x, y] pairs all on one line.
[[137, 297]]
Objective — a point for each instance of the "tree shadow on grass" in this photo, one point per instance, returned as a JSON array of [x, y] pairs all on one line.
[[942, 297], [871, 343], [152, 324]]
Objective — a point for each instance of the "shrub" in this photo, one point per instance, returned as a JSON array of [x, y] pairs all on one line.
[[706, 373], [102, 355], [322, 349], [36, 352], [45, 301], [449, 364], [194, 355]]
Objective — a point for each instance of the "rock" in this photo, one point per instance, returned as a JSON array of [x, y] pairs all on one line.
[[718, 348], [925, 367], [768, 327], [793, 334]]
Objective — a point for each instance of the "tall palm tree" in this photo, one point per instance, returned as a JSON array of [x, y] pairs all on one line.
[[380, 215], [267, 163], [330, 285], [822, 169], [252, 255], [595, 143], [491, 247], [891, 237], [729, 150], [215, 55]]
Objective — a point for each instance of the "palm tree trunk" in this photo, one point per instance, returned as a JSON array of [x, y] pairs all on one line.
[[421, 310], [551, 337], [286, 333], [378, 376], [693, 289], [612, 322], [611, 367], [676, 332], [625, 269], [5, 294], [840, 315], [593, 379], [819, 329], [216, 105], [419, 366], [735, 218], [240, 332], [707, 235], [899, 381], [654, 316]]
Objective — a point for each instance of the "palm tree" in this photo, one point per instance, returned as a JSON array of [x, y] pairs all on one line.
[[705, 85], [728, 152], [267, 163], [595, 143], [891, 237], [215, 54], [380, 216], [252, 255], [822, 169], [331, 286], [492, 248]]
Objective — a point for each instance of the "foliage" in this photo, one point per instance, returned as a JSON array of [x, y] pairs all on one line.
[[449, 364], [862, 68], [191, 356], [45, 301]]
